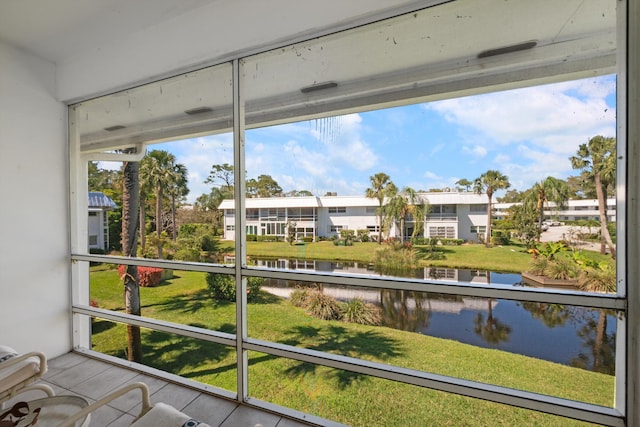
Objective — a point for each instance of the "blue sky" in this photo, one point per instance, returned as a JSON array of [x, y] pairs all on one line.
[[527, 134]]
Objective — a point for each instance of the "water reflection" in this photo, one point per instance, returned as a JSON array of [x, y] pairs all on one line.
[[570, 335]]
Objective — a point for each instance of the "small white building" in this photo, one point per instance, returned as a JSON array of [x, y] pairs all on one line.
[[451, 215], [586, 209], [99, 206]]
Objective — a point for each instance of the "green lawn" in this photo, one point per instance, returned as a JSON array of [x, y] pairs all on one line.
[[508, 258], [338, 395]]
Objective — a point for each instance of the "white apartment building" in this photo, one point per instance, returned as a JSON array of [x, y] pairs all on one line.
[[451, 215], [575, 210]]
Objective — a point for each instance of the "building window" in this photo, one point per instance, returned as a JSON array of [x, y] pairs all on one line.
[[338, 209], [479, 229], [478, 208], [231, 228], [442, 232], [335, 228]]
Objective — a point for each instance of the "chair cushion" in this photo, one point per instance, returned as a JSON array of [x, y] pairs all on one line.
[[19, 373], [163, 415]]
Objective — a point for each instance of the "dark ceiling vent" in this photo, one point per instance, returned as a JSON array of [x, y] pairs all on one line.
[[508, 49], [319, 86], [116, 127], [199, 110]]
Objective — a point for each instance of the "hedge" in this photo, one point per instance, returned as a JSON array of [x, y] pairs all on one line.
[[147, 276]]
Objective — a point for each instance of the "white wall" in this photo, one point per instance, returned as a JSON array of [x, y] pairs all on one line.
[[34, 262]]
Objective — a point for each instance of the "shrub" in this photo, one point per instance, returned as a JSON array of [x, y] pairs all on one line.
[[147, 276], [363, 235], [561, 268], [223, 287], [307, 239], [538, 266], [347, 234], [323, 307], [357, 311], [268, 238], [299, 297], [598, 279], [499, 238], [252, 238], [187, 254], [343, 242], [393, 259], [458, 242]]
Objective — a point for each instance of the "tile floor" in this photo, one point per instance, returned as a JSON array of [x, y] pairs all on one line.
[[77, 374]]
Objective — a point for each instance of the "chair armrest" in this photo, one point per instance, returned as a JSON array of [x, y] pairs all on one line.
[[146, 402], [21, 357]]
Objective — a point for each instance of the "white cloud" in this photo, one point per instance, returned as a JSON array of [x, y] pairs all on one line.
[[476, 151], [571, 112]]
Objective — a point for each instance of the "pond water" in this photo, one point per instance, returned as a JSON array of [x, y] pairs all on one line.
[[569, 335]]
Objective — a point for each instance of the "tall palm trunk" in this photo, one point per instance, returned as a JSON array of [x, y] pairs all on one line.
[[602, 210], [130, 205], [143, 222], [159, 220], [380, 226], [487, 242], [173, 217]]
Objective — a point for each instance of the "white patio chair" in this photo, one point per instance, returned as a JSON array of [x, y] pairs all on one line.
[[19, 372], [158, 415]]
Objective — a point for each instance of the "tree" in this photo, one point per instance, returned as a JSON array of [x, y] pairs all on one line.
[[598, 159], [523, 220], [158, 171], [264, 186], [381, 187], [489, 182], [550, 190], [221, 176], [513, 196], [177, 190], [291, 232], [298, 193], [130, 203], [464, 183], [405, 203]]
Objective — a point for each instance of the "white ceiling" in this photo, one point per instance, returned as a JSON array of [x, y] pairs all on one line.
[[58, 30]]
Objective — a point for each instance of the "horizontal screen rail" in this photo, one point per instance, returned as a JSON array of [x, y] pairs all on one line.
[[543, 295], [158, 325]]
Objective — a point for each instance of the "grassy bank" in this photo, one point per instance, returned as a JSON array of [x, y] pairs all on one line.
[[509, 258], [338, 395]]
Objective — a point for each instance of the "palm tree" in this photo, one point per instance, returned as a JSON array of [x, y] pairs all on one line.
[[406, 202], [157, 171], [598, 159], [130, 202], [381, 187], [178, 189], [489, 182], [550, 190]]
